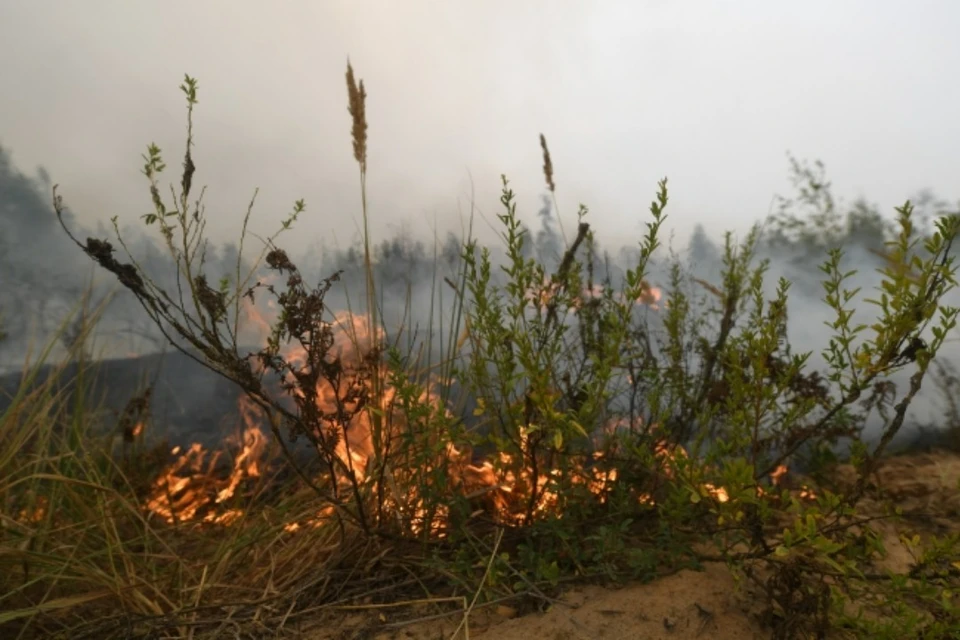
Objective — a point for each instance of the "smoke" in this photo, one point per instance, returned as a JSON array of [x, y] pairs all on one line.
[[41, 275], [49, 288], [44, 276], [859, 234]]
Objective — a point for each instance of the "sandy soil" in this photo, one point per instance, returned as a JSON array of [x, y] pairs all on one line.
[[691, 604]]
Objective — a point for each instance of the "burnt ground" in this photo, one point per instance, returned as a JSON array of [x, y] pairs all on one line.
[[189, 403]]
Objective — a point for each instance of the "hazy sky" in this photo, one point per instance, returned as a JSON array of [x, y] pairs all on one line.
[[711, 94]]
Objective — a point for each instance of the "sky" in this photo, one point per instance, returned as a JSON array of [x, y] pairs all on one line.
[[711, 95]]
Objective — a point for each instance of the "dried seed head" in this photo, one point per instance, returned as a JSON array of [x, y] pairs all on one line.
[[357, 108], [547, 164]]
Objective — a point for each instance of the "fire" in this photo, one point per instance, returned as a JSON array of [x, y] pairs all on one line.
[[192, 484], [34, 514], [195, 488], [776, 476], [191, 488], [717, 492], [542, 294], [779, 478]]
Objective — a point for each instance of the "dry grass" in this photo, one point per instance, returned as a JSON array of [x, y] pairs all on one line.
[[82, 555]]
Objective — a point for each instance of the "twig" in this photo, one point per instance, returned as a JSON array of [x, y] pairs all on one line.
[[464, 623]]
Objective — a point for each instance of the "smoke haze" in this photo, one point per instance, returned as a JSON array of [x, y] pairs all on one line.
[[625, 93]]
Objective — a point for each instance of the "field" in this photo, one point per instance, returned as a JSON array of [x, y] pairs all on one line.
[[556, 448]]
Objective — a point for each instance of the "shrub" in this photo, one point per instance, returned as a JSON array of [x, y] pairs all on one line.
[[621, 442]]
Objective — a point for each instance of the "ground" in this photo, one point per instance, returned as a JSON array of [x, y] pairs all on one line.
[[688, 604]]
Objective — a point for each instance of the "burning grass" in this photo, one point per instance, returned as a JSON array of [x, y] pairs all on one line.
[[616, 431], [147, 562]]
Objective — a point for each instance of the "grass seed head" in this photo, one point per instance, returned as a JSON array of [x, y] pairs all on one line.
[[357, 108], [547, 164]]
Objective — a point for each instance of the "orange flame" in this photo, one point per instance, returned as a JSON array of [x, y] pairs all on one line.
[[542, 294], [190, 485], [189, 490]]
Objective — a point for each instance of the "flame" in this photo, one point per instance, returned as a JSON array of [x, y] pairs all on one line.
[[651, 296], [777, 475], [34, 514], [190, 489], [719, 493], [543, 293], [191, 485]]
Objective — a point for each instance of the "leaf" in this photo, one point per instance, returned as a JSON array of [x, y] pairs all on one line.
[[53, 605], [833, 563]]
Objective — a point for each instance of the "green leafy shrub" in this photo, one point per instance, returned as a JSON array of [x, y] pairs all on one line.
[[622, 441]]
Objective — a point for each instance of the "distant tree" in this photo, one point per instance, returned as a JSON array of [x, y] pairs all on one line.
[[529, 242], [866, 227], [451, 250], [25, 208], [34, 283], [701, 249], [548, 243], [810, 220]]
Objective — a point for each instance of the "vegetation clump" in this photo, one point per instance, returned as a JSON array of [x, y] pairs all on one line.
[[604, 440]]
